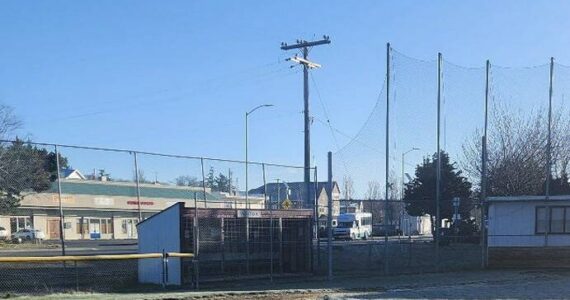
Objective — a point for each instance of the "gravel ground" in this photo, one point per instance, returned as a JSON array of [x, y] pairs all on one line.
[[514, 284]]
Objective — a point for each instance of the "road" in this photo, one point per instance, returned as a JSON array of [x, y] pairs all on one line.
[[94, 247], [76, 247]]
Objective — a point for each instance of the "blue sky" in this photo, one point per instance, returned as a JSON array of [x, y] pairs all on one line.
[[177, 76]]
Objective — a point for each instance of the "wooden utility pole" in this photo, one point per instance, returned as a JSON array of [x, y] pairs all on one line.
[[304, 61]]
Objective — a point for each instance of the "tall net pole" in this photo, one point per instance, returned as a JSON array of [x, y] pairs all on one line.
[[329, 217], [548, 151], [438, 167], [484, 171], [386, 183]]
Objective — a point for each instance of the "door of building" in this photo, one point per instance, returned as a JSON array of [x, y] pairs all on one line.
[[94, 226], [131, 229], [53, 229]]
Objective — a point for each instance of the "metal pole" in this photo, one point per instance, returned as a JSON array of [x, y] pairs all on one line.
[[484, 172], [246, 166], [402, 199], [403, 186], [438, 167], [137, 182], [203, 180], [247, 206], [329, 216], [315, 221], [317, 218], [270, 224], [196, 242], [549, 151], [386, 183], [307, 127], [61, 216], [402, 190]]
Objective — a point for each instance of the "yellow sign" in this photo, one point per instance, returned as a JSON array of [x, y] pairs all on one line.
[[287, 204]]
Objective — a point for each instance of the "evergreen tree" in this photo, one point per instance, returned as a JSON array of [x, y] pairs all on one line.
[[420, 193]]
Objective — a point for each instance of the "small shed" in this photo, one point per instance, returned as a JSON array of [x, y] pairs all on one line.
[[226, 243], [529, 231]]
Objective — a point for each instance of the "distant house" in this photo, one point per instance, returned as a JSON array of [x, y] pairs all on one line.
[[529, 231], [72, 174], [277, 193]]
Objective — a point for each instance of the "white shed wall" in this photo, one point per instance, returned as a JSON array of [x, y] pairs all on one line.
[[160, 233], [512, 224]]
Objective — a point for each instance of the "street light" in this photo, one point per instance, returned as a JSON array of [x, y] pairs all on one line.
[[403, 163], [403, 174], [246, 157]]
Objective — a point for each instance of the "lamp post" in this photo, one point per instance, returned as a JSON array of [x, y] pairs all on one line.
[[403, 175], [246, 157], [403, 165]]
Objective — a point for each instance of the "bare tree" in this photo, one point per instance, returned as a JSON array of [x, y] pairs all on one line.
[[186, 180], [348, 187], [516, 151], [374, 191], [9, 123]]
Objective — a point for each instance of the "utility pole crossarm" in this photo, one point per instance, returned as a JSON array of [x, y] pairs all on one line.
[[303, 43], [305, 62]]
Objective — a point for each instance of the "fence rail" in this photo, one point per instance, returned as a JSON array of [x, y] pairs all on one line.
[[48, 274]]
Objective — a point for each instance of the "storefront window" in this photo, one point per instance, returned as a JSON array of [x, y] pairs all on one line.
[[17, 223]]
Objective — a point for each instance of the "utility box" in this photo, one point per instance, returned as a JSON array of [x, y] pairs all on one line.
[[161, 234]]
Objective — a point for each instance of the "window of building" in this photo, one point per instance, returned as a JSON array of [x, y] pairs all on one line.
[[540, 220], [78, 226], [553, 219], [17, 223], [567, 221], [129, 227], [557, 219], [98, 225]]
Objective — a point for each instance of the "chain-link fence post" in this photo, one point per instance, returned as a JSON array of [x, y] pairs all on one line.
[[316, 212], [61, 216], [329, 217], [196, 235], [137, 183], [270, 222], [203, 180]]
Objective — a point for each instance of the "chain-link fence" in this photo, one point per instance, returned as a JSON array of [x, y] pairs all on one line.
[[62, 200], [441, 140]]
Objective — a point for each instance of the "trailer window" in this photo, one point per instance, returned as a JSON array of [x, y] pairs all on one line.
[[555, 219]]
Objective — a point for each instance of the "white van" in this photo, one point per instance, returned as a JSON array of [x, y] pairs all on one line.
[[357, 225]]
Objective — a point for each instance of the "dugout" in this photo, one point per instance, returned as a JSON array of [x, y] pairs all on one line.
[[227, 243]]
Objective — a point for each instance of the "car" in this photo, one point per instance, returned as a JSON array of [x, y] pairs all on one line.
[[382, 230], [28, 235], [4, 233]]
